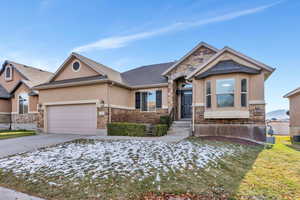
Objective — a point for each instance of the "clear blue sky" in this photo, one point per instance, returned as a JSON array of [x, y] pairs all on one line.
[[124, 34]]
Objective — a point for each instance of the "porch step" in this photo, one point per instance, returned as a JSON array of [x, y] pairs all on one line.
[[180, 128], [183, 124]]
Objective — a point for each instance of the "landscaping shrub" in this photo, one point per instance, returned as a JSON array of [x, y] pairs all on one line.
[[160, 129], [165, 120], [126, 129]]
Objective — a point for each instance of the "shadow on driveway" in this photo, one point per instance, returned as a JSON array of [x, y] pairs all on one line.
[[30, 143]]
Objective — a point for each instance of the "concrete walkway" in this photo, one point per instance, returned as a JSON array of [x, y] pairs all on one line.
[[30, 143], [7, 194], [171, 137]]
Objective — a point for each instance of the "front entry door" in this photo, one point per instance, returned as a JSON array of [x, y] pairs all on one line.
[[186, 104]]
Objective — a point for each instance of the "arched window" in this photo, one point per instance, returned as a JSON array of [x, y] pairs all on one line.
[[8, 72]]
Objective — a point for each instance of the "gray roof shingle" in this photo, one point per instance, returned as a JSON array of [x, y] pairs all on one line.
[[3, 93], [227, 67], [74, 80], [146, 75]]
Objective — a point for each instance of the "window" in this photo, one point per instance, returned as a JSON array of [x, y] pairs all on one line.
[[187, 85], [244, 91], [225, 92], [23, 103], [76, 66], [8, 71], [149, 100], [208, 94]]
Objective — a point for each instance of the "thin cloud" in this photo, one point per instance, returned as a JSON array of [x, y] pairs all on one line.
[[122, 41]]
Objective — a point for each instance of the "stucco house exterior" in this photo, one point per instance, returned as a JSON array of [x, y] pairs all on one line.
[[294, 99], [18, 101], [220, 90]]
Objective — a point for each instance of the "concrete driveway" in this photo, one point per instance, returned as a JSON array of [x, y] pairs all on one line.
[[31, 143]]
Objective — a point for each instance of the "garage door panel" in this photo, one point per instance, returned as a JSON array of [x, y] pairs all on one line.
[[77, 119]]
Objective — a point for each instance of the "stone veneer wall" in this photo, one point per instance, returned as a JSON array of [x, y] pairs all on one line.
[[198, 57], [253, 128], [5, 121], [136, 116], [40, 121], [102, 117], [24, 121]]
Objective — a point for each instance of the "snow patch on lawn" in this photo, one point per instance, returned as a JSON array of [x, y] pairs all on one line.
[[101, 159]]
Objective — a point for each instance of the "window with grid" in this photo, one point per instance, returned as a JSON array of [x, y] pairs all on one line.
[[225, 92], [244, 92], [208, 94]]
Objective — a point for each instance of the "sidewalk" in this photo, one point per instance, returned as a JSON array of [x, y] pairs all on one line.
[[7, 194]]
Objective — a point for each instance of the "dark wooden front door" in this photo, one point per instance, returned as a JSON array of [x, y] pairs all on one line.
[[186, 104]]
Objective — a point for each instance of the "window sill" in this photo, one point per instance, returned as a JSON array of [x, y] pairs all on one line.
[[234, 114], [8, 79]]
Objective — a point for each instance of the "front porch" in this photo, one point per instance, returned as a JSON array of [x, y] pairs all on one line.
[[181, 99]]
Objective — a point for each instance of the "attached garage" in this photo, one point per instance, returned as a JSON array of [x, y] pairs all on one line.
[[72, 119]]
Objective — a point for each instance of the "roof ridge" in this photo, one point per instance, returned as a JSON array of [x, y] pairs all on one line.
[[140, 67], [77, 54], [28, 66]]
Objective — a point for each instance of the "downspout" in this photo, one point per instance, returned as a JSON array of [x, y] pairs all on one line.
[[193, 109], [108, 101]]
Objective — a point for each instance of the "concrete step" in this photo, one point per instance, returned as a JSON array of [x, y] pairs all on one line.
[[182, 122], [181, 126], [172, 128]]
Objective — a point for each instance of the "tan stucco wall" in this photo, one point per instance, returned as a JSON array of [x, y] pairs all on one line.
[[87, 92], [68, 73], [295, 110], [5, 105], [9, 85], [120, 96], [33, 100], [255, 89]]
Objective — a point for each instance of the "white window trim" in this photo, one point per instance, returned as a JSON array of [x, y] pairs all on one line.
[[18, 106], [234, 91], [247, 92], [5, 77], [79, 66], [206, 95], [148, 91]]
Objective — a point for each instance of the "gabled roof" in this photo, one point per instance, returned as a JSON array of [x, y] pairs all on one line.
[[201, 44], [97, 67], [33, 76], [146, 75], [236, 53], [295, 91], [4, 94], [227, 67]]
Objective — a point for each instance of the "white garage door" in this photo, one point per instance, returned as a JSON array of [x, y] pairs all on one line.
[[74, 119]]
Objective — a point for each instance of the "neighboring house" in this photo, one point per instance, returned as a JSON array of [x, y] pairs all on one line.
[[294, 98], [18, 101], [220, 90]]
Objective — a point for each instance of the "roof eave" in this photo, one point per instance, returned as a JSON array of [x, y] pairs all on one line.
[[81, 83], [251, 60], [61, 85], [296, 91], [149, 86]]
